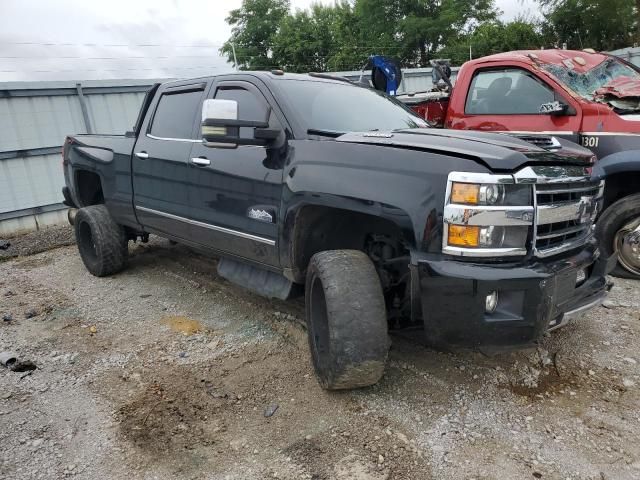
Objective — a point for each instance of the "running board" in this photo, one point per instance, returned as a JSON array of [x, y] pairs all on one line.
[[263, 282]]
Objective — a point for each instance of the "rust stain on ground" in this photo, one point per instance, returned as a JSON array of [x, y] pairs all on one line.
[[181, 324]]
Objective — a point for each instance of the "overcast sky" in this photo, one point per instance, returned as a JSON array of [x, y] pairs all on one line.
[[88, 39]]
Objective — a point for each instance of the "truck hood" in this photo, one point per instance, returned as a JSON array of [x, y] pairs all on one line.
[[497, 151], [623, 93], [621, 87]]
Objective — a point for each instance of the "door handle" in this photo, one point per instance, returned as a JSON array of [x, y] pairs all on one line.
[[143, 155], [201, 161]]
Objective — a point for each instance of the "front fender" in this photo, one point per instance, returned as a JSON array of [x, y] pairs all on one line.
[[404, 186], [621, 171]]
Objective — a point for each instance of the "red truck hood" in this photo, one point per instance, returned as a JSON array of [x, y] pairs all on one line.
[[621, 87]]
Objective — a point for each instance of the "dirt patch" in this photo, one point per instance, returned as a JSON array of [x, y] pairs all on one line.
[[186, 416], [174, 414], [28, 263], [548, 383], [181, 324]]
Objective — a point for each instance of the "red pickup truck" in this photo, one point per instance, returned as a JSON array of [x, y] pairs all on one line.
[[587, 97]]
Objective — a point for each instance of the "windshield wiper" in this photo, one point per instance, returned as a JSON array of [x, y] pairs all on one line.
[[627, 111], [325, 133]]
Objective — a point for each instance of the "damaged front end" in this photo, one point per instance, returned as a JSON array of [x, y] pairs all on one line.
[[613, 82], [622, 93]]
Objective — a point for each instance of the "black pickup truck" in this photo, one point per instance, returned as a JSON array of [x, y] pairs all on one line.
[[479, 240]]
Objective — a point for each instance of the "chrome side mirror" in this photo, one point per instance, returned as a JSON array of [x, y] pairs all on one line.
[[221, 128]]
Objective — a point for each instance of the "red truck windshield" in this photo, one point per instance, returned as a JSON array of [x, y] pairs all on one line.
[[585, 84]]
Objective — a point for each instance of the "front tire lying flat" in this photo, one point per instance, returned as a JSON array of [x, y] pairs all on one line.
[[618, 230], [102, 243], [346, 319]]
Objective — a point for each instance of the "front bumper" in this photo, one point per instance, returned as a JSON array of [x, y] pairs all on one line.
[[534, 297]]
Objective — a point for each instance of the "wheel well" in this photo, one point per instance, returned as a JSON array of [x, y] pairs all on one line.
[[89, 188], [318, 228], [620, 185]]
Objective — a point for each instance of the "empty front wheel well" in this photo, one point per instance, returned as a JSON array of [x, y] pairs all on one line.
[[319, 228], [88, 188]]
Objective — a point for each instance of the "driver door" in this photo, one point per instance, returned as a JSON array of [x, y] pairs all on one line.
[[235, 189], [508, 99]]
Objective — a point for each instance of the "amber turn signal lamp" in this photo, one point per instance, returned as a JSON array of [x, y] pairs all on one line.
[[464, 236], [466, 193]]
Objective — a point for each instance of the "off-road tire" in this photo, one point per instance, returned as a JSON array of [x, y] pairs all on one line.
[[102, 243], [346, 319], [613, 219]]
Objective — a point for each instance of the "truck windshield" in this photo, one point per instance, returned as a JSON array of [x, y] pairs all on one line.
[[585, 84], [334, 107]]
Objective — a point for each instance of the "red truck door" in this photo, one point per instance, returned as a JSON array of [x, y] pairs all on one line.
[[511, 98]]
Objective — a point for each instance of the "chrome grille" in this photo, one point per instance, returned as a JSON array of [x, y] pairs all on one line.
[[565, 213]]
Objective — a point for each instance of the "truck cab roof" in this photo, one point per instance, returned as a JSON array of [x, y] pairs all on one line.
[[269, 76], [553, 56]]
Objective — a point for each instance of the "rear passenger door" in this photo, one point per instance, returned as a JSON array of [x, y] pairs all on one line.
[[160, 163], [236, 192]]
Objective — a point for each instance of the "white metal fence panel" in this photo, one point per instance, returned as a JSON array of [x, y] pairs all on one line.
[[34, 119], [36, 122], [413, 79], [28, 182], [631, 54], [113, 114]]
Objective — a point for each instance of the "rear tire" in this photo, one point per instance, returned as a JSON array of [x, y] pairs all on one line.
[[610, 230], [346, 319], [102, 243]]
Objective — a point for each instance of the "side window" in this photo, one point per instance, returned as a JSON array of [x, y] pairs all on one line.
[[175, 114], [507, 92], [250, 105]]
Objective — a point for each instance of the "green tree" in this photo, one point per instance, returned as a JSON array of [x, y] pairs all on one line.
[[599, 24], [411, 30], [254, 26], [305, 40], [342, 36], [323, 38], [378, 24], [428, 25], [349, 53], [495, 37]]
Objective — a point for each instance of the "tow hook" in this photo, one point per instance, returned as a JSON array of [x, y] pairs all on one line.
[[71, 215]]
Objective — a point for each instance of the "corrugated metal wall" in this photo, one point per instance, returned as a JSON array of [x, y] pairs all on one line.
[[413, 79], [631, 54], [34, 119]]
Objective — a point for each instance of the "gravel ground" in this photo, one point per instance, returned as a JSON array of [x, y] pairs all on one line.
[[38, 241], [167, 371]]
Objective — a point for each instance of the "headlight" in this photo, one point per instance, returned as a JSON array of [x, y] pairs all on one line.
[[487, 237], [476, 194], [486, 215], [491, 194]]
